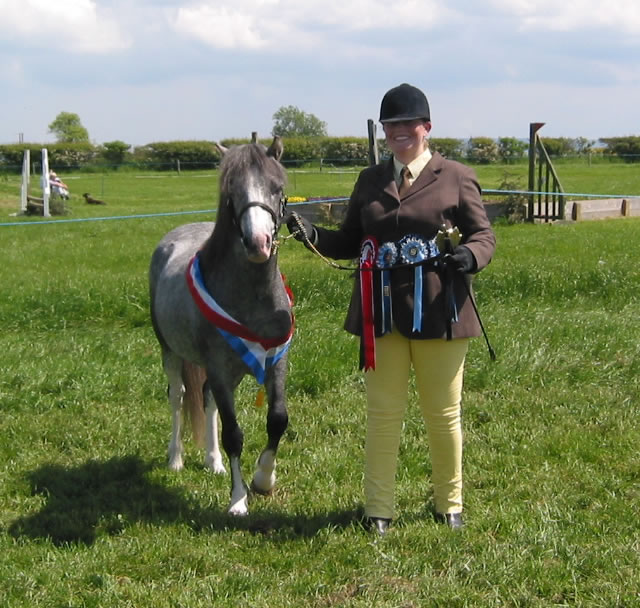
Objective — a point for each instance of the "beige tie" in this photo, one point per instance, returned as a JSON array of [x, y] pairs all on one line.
[[405, 174]]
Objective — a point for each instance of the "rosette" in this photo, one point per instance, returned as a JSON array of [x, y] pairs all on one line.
[[413, 250], [387, 256], [368, 252]]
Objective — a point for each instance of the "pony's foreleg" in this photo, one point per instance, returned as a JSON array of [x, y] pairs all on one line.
[[212, 457], [264, 478], [176, 395]]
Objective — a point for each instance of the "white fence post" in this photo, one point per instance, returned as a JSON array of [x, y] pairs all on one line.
[[46, 187], [24, 186]]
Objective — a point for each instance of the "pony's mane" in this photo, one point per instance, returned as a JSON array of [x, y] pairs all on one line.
[[237, 161]]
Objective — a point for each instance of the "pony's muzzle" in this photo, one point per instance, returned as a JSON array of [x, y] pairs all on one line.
[[258, 248], [257, 234]]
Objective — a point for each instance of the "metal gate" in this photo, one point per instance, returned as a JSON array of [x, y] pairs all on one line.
[[546, 196]]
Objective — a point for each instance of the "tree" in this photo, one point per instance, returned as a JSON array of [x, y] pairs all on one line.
[[68, 128], [293, 122]]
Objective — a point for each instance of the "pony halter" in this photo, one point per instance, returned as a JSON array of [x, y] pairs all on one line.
[[276, 217]]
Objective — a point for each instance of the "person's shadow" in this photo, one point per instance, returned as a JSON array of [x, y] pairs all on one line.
[[105, 497]]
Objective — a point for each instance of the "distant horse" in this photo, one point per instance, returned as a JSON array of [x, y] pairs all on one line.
[[220, 310]]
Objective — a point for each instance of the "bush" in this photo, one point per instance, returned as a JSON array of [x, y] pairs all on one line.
[[482, 150], [511, 149], [624, 147], [448, 147], [190, 154]]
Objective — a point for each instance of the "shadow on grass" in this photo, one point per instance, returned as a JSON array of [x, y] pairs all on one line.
[[104, 498]]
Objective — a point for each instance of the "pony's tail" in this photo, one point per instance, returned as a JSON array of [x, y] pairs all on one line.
[[193, 378]]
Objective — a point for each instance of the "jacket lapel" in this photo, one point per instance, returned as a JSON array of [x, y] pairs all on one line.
[[389, 185], [429, 174]]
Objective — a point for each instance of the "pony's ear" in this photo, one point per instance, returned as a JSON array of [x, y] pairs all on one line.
[[220, 148], [276, 148]]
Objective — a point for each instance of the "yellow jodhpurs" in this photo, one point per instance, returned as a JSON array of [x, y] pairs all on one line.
[[439, 367]]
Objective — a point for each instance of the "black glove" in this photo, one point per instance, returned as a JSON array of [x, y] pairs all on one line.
[[461, 259], [301, 228]]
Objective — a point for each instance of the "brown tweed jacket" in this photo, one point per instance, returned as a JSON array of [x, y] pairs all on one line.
[[446, 192]]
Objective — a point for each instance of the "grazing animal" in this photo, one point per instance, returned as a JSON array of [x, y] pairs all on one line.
[[92, 201], [220, 310]]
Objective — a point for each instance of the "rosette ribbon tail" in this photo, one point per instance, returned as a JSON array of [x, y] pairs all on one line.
[[387, 255], [368, 337], [415, 250], [386, 302], [417, 299]]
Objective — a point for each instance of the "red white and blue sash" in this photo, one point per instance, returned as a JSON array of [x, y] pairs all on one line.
[[258, 353]]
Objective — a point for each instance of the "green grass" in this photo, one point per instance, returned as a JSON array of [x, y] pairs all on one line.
[[91, 516]]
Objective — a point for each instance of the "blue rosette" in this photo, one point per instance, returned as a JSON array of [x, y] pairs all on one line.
[[413, 250], [387, 256]]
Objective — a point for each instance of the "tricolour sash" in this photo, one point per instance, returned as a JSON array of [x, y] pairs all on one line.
[[258, 353]]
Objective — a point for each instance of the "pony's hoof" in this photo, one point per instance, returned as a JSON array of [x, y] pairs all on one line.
[[240, 508], [215, 465], [263, 484], [176, 464]]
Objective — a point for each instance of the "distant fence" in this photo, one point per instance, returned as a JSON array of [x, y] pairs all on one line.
[[318, 164]]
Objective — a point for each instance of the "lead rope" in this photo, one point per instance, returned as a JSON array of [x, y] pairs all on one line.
[[310, 245]]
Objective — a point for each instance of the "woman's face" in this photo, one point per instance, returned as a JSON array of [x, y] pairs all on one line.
[[406, 138]]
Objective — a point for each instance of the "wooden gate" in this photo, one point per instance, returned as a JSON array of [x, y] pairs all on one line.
[[546, 196]]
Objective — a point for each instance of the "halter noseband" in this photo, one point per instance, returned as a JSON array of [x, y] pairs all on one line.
[[277, 218]]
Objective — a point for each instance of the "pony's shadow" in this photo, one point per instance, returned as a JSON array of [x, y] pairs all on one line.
[[105, 497]]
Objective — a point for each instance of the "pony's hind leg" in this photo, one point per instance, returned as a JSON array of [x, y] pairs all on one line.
[[212, 457], [173, 369], [232, 441]]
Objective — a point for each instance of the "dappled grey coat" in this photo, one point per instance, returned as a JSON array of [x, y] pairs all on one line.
[[445, 192]]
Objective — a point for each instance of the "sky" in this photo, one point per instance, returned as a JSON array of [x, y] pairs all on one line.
[[145, 71]]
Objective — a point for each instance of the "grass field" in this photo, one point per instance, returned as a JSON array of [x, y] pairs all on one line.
[[91, 516]]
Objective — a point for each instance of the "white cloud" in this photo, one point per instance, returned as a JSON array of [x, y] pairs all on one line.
[[277, 24], [220, 27], [572, 15], [75, 25]]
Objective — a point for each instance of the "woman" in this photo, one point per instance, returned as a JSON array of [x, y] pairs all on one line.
[[421, 217]]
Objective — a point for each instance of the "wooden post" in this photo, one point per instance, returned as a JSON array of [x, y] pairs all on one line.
[[254, 137], [373, 143]]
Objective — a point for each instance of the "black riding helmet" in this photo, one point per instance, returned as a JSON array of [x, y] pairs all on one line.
[[404, 102]]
